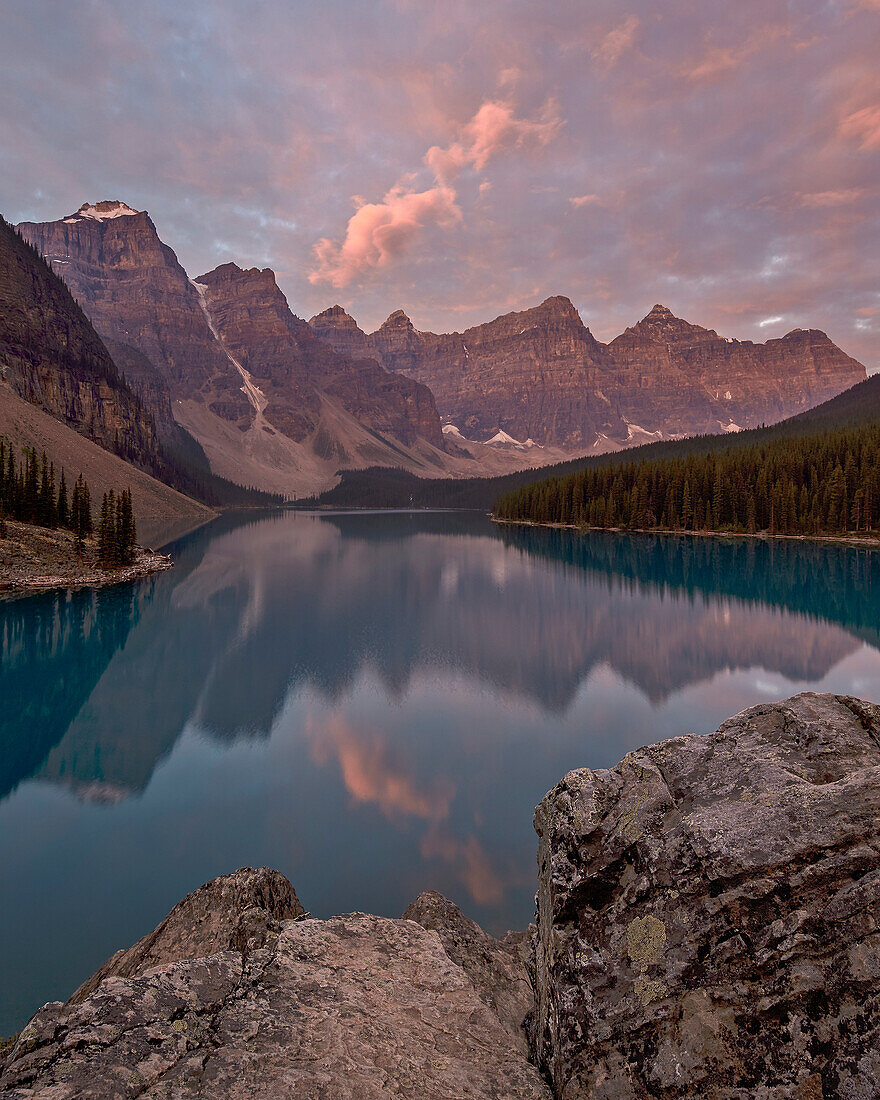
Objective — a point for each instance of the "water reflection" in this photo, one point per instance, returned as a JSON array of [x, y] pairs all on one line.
[[373, 704]]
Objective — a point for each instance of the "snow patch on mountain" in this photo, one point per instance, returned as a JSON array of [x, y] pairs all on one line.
[[502, 439], [101, 212]]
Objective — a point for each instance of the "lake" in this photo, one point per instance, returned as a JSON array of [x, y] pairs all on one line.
[[373, 704]]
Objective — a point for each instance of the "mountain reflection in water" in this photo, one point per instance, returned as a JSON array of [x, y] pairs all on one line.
[[372, 703]]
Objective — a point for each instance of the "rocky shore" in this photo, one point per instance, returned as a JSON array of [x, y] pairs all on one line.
[[708, 925], [34, 558]]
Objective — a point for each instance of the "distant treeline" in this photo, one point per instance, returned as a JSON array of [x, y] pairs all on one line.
[[827, 483], [29, 494]]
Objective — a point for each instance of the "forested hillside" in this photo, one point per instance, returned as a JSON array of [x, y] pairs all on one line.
[[821, 483]]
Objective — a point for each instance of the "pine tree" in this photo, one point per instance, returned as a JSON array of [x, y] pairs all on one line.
[[61, 508]]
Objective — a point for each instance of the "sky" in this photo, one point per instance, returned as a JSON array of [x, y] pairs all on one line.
[[460, 160]]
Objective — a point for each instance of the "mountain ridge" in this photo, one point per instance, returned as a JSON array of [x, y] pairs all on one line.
[[663, 376], [269, 403]]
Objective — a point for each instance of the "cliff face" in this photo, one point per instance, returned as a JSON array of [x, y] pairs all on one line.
[[134, 290], [692, 380], [541, 374], [52, 357], [293, 368]]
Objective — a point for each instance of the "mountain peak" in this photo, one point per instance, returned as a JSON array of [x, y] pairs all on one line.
[[334, 316], [660, 313], [103, 211], [397, 319], [559, 303]]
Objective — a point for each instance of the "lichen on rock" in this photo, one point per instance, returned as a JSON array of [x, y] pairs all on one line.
[[715, 930]]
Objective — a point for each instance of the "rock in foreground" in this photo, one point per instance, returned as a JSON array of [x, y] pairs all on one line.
[[226, 913], [708, 913], [497, 968], [350, 1008]]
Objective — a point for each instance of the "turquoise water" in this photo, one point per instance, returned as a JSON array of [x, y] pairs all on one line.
[[373, 704]]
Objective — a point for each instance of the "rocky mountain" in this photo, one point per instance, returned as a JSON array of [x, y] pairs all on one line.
[[541, 375], [295, 372], [51, 357], [708, 925], [271, 405], [135, 292], [691, 380]]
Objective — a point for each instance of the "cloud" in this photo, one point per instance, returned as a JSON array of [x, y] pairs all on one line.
[[493, 129], [832, 198], [863, 126], [379, 233], [616, 43], [584, 200], [721, 60]]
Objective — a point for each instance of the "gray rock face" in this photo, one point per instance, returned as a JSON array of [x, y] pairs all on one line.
[[222, 914], [351, 1008], [497, 968], [708, 913]]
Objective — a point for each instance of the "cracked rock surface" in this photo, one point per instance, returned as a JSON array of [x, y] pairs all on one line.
[[219, 915], [498, 969], [350, 1008], [709, 913]]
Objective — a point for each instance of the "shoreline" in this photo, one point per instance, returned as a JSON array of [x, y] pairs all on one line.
[[38, 559], [764, 536]]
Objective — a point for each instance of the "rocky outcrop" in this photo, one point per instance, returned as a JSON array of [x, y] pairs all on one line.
[[497, 968], [709, 913], [708, 927], [354, 1007], [540, 374], [221, 915]]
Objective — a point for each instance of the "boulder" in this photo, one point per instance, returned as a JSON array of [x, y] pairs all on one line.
[[354, 1008], [708, 913]]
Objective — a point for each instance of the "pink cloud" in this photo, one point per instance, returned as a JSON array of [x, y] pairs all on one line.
[[831, 198], [718, 61], [493, 129], [864, 127], [584, 200], [378, 233], [616, 43]]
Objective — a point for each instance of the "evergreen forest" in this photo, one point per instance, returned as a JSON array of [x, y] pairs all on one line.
[[31, 491], [826, 483]]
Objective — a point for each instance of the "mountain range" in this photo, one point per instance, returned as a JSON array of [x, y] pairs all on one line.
[[217, 373], [223, 356], [541, 375]]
